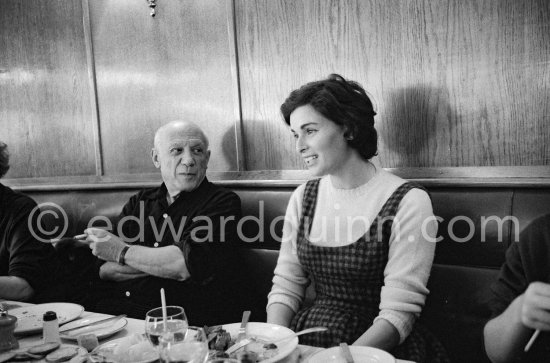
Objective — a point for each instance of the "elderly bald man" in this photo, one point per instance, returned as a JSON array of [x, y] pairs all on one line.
[[183, 242]]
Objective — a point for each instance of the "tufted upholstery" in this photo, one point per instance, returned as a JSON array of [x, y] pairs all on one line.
[[463, 271]]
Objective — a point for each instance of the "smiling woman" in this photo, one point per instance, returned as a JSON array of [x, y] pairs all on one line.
[[367, 293]]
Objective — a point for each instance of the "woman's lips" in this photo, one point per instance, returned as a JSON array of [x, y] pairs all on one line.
[[310, 159]]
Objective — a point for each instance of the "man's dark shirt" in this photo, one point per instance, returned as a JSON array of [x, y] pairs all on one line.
[[208, 246], [526, 262], [21, 254]]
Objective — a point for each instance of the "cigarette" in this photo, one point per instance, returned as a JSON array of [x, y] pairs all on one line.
[[80, 236], [532, 340]]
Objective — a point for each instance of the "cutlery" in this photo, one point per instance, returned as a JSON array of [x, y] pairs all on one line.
[[347, 353], [301, 332], [238, 346], [242, 329], [97, 322], [249, 340]]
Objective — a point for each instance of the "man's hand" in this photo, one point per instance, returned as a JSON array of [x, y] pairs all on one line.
[[114, 272], [535, 307], [104, 245]]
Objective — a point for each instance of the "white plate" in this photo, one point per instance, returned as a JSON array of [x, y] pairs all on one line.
[[125, 345], [359, 354], [102, 331], [29, 318], [81, 352], [267, 331]]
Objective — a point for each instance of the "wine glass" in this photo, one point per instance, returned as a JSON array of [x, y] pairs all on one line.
[[176, 324], [192, 349]]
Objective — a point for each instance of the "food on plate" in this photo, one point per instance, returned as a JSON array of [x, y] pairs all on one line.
[[219, 340], [88, 341], [130, 349], [62, 354], [80, 359], [43, 349]]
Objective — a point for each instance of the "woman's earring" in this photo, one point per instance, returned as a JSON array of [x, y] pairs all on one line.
[[349, 137]]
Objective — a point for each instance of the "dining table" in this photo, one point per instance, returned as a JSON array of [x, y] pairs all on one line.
[[136, 326]]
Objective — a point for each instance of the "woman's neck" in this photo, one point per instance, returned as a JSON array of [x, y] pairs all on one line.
[[356, 172]]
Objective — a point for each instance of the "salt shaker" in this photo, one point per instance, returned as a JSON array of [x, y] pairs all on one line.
[[7, 326], [50, 328]]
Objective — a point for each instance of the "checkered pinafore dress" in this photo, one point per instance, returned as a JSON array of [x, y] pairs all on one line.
[[348, 281]]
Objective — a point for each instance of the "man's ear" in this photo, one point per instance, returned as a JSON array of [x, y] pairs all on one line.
[[155, 158], [207, 157]]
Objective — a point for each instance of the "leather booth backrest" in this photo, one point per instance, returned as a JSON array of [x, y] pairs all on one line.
[[476, 227]]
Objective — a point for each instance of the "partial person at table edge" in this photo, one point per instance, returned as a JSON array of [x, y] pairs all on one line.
[[369, 290], [520, 302], [26, 264], [193, 258]]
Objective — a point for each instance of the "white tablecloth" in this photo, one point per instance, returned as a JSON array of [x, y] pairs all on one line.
[[300, 355]]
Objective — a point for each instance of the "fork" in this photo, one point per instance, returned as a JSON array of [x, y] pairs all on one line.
[[347, 353], [301, 332], [242, 329]]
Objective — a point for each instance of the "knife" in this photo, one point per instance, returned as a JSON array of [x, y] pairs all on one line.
[[242, 329], [238, 345], [347, 354], [97, 322]]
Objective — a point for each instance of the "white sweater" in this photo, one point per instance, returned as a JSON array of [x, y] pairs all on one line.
[[342, 216]]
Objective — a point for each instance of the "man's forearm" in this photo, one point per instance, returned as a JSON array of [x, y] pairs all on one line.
[[15, 288], [113, 271], [505, 336], [166, 262]]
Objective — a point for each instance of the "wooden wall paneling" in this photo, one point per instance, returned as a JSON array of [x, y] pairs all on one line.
[[45, 113], [455, 83], [236, 90], [92, 85], [153, 70]]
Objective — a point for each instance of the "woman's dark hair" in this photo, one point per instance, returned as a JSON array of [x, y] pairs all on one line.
[[343, 102], [4, 159]]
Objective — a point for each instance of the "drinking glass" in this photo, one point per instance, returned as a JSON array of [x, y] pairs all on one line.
[[192, 349], [176, 324]]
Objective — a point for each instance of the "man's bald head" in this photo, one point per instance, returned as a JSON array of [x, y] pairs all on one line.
[[179, 126], [181, 153]]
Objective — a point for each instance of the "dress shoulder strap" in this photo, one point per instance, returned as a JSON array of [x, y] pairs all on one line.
[[309, 201], [389, 210]]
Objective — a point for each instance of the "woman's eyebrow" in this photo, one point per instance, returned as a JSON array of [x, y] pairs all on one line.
[[305, 125]]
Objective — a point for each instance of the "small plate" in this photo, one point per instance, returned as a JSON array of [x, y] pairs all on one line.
[[81, 352], [121, 350], [359, 354], [29, 318], [266, 331], [102, 331]]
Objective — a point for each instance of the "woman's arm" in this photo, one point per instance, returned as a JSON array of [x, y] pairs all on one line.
[[280, 314], [410, 258], [290, 280], [382, 334]]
